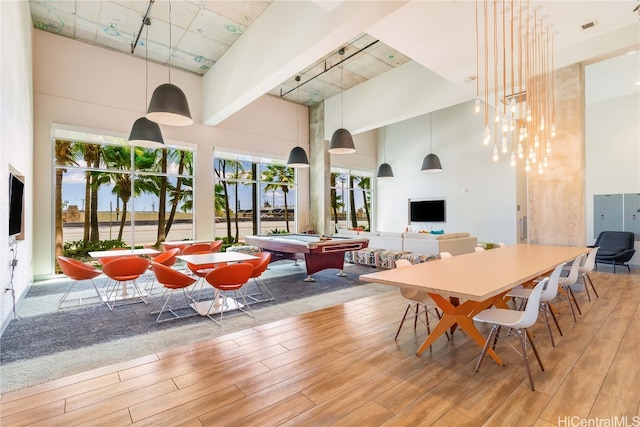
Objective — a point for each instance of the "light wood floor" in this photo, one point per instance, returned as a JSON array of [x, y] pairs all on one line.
[[341, 366]]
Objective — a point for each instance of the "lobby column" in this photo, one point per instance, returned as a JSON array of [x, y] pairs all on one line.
[[319, 172], [556, 198]]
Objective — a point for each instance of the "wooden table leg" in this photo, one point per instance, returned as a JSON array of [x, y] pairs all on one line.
[[462, 315]]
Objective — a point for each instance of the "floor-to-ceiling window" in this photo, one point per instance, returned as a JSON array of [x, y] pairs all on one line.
[[350, 199], [253, 195], [109, 194]]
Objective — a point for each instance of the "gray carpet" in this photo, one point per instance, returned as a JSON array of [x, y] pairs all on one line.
[[47, 343]]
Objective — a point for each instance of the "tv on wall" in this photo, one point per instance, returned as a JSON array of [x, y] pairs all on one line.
[[427, 211], [16, 190]]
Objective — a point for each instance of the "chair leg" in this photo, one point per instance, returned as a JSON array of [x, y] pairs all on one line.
[[260, 284], [493, 333], [553, 315], [535, 350], [566, 293], [588, 278], [575, 301], [524, 354], [546, 321], [64, 297], [246, 309], [402, 322], [586, 288]]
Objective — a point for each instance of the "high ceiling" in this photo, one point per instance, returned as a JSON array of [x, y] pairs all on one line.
[[439, 35]]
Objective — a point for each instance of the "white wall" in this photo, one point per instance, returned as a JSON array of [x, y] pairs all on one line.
[[480, 194], [16, 144], [80, 85]]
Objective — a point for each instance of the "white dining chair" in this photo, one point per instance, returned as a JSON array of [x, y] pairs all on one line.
[[547, 296], [586, 268], [419, 303], [517, 322], [565, 284]]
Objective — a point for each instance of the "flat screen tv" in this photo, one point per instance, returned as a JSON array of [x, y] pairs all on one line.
[[427, 211], [16, 190]]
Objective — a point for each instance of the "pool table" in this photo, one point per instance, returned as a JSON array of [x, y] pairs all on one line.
[[320, 253]]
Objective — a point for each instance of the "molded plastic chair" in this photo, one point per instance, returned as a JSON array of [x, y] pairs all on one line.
[[587, 267], [216, 246], [548, 295], [122, 271], [260, 266], [201, 270], [229, 278], [77, 271], [105, 260], [197, 248], [169, 246], [518, 322], [565, 284], [419, 299], [168, 259], [171, 280]]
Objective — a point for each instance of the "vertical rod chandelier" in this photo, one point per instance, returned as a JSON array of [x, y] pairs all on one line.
[[517, 44]]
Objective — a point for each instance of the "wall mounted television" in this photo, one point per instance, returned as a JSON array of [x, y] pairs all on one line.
[[427, 211], [16, 200]]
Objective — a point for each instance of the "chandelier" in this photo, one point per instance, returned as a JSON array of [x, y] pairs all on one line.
[[517, 46]]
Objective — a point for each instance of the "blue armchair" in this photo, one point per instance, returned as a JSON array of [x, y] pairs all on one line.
[[616, 248]]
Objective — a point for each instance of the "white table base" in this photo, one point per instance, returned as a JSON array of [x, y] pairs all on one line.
[[204, 308]]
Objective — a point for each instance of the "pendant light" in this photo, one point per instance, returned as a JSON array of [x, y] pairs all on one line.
[[431, 162], [297, 156], [341, 140], [384, 170], [168, 105], [144, 132]]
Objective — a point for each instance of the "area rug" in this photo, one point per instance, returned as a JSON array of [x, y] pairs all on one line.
[[47, 343]]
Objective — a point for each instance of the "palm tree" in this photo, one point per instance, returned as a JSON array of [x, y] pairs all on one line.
[[64, 156], [117, 157], [221, 173], [364, 183], [280, 178], [238, 174], [336, 199], [91, 155], [352, 202], [178, 194]]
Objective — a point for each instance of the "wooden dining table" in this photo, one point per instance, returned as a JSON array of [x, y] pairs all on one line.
[[478, 280]]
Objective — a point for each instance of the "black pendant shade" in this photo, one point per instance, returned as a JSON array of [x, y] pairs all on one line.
[[431, 163], [145, 133], [169, 106], [298, 158], [385, 171], [342, 142]]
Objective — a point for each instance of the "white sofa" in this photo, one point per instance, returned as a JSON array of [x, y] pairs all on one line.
[[433, 244], [387, 247]]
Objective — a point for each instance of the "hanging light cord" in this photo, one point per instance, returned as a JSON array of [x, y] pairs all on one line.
[[170, 42], [341, 52], [146, 64], [297, 106], [384, 144], [430, 135]]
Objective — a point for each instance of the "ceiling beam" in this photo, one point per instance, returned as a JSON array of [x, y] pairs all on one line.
[[286, 38]]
